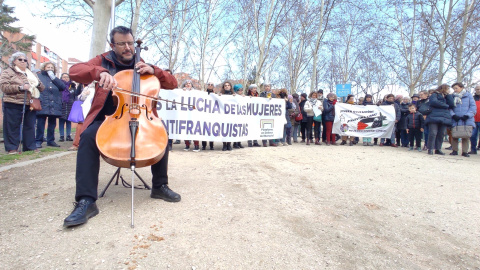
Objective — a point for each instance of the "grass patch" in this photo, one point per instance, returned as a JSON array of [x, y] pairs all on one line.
[[6, 159]]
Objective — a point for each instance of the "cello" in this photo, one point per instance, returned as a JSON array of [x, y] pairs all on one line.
[[133, 136]]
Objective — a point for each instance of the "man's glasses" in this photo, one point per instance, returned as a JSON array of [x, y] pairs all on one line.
[[22, 60], [122, 44]]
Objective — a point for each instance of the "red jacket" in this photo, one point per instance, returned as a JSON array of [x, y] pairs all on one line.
[[477, 102], [90, 71]]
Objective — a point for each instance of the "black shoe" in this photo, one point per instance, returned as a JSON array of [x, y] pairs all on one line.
[[439, 152], [454, 153], [224, 148], [69, 139], [196, 148], [62, 139], [240, 145], [211, 148], [53, 144], [38, 145], [250, 144], [256, 145], [449, 148], [187, 148], [430, 152], [204, 147], [343, 143], [472, 152], [84, 209], [465, 154], [165, 193], [235, 145], [177, 142], [229, 146]]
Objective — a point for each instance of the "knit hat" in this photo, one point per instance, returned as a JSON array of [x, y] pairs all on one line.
[[320, 91], [237, 87], [290, 96], [252, 86], [368, 96], [304, 95], [415, 95]]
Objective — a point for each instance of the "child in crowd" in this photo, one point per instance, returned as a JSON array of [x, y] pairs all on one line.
[[414, 123]]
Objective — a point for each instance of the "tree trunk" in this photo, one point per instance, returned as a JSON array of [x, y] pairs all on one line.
[[136, 16], [101, 17]]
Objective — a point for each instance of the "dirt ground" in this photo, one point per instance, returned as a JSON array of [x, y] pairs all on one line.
[[289, 207]]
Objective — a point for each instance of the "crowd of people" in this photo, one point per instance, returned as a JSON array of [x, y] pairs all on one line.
[[427, 117], [25, 124]]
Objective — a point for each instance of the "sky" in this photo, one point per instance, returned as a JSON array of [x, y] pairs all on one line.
[[65, 41]]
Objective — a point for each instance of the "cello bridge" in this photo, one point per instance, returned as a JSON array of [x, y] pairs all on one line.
[[134, 108]]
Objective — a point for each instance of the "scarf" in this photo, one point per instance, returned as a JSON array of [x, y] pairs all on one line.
[[457, 97], [66, 92], [32, 80]]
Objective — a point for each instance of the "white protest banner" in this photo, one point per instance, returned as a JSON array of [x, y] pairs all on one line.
[[364, 121], [223, 118]]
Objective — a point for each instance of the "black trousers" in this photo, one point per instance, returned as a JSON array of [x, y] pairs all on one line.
[[12, 119], [317, 130], [88, 165], [306, 128], [415, 134]]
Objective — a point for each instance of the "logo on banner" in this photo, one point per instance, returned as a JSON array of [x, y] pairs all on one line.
[[364, 121], [266, 128]]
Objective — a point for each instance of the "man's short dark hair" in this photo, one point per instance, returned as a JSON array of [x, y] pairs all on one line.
[[412, 105], [121, 30], [459, 84], [389, 96]]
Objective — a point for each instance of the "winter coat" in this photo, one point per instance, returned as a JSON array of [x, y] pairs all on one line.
[[414, 120], [10, 80], [328, 110], [403, 116], [90, 71], [67, 106], [365, 102], [287, 114], [467, 107], [398, 114], [439, 106], [51, 97], [477, 103], [423, 107]]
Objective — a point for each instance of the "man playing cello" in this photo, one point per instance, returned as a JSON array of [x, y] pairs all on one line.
[[102, 69]]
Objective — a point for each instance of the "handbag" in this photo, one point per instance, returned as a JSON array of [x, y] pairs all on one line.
[[299, 116], [462, 131], [318, 118], [76, 113], [35, 104]]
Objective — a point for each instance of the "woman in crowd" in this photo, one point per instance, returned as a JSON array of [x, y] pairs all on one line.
[[439, 119], [329, 115], [307, 121], [187, 85], [423, 107], [367, 141], [19, 85], [317, 120], [238, 90], [295, 123], [401, 125], [51, 100], [287, 128], [210, 90], [68, 97], [88, 90], [351, 139], [253, 92], [227, 90], [462, 115]]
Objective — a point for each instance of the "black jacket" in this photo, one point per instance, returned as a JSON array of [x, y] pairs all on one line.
[[423, 106], [415, 120], [404, 112]]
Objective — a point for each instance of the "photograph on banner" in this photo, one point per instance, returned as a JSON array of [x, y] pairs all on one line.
[[196, 115], [364, 121]]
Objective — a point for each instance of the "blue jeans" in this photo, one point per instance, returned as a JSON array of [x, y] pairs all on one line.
[[52, 122], [295, 133], [62, 123], [473, 139]]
